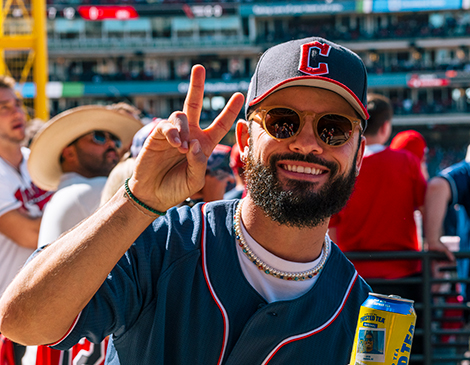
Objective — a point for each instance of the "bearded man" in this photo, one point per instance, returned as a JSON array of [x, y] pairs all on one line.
[[73, 154], [250, 281]]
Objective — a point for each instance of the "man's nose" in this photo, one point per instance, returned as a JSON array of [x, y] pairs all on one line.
[[116, 142], [306, 141]]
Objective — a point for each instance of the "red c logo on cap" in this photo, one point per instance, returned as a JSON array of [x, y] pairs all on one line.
[[306, 66]]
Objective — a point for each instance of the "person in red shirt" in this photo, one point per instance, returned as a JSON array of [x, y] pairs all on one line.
[[379, 216], [380, 213]]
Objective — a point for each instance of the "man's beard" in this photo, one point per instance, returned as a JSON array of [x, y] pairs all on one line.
[[297, 205], [97, 165]]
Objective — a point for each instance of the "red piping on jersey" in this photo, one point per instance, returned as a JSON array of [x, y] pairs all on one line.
[[68, 332], [316, 330], [211, 289]]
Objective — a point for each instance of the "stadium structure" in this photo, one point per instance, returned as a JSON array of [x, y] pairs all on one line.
[[417, 53]]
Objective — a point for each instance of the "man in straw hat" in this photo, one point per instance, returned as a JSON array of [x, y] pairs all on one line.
[[250, 281], [74, 154]]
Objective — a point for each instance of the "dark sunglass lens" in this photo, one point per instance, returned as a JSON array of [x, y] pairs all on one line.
[[334, 130], [116, 140], [282, 123], [99, 137]]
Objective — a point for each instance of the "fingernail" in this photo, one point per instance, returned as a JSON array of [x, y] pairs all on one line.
[[196, 147], [177, 140], [185, 144]]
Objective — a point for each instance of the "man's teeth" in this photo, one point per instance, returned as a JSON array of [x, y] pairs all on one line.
[[303, 170]]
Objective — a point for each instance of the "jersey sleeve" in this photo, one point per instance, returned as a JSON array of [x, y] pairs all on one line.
[[458, 177], [132, 285], [13, 184]]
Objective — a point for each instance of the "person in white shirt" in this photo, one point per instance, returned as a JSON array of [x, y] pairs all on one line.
[[21, 202], [74, 154]]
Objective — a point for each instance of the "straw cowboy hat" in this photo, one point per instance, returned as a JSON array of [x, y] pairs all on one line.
[[48, 144]]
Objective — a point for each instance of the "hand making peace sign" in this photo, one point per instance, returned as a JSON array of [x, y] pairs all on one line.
[[172, 163]]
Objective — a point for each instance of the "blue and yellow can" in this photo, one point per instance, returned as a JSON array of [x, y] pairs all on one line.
[[384, 331]]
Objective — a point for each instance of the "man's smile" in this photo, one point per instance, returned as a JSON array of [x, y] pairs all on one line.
[[303, 169]]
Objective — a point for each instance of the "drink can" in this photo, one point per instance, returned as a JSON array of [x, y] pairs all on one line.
[[384, 331]]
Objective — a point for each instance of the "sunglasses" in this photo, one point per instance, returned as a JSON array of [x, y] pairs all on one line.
[[100, 137], [283, 123]]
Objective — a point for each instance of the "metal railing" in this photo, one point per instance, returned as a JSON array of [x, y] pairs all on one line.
[[455, 348]]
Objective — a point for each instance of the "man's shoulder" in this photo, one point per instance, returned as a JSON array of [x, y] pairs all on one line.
[[347, 268], [221, 212], [406, 162], [77, 193], [388, 153], [220, 205], [460, 168], [190, 222], [10, 179], [215, 212], [77, 184]]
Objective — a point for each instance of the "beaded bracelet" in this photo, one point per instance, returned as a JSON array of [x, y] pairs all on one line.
[[143, 205], [139, 208]]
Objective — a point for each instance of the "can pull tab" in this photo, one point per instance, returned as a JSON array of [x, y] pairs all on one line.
[[392, 296]]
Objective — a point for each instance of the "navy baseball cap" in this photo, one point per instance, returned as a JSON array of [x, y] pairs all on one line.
[[314, 62]]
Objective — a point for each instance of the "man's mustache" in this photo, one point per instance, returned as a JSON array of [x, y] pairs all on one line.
[[110, 149]]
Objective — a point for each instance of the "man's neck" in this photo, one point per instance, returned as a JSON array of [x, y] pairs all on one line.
[[11, 153], [370, 140], [288, 243]]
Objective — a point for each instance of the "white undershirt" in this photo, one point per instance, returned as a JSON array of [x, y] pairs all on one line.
[[269, 287]]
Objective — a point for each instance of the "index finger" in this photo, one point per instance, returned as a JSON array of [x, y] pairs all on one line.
[[193, 102], [222, 124]]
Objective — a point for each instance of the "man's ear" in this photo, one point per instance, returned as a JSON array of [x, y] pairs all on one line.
[[360, 154], [243, 138], [68, 153]]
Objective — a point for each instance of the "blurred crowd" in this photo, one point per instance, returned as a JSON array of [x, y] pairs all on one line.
[[225, 69], [407, 26]]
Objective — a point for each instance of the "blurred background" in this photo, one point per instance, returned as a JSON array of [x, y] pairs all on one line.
[[141, 51]]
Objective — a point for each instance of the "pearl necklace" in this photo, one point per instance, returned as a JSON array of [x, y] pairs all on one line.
[[304, 275]]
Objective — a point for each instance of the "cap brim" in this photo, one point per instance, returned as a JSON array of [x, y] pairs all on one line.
[[47, 145], [323, 83]]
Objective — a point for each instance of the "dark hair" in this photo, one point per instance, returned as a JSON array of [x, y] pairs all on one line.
[[380, 111]]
